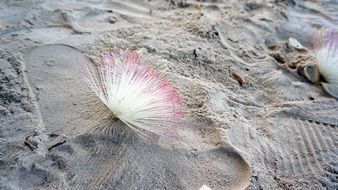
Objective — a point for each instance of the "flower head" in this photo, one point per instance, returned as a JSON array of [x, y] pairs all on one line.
[[136, 93], [326, 49]]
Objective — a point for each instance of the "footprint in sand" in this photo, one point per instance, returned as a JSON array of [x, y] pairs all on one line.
[[93, 162]]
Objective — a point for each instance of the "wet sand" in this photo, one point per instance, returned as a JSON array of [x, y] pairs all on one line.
[[253, 121]]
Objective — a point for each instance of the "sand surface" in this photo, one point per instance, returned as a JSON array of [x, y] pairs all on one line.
[[275, 131]]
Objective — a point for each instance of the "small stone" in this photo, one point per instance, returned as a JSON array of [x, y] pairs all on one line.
[[293, 43], [271, 42], [112, 19], [310, 72]]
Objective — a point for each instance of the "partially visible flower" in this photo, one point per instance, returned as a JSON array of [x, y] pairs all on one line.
[[136, 93], [326, 50]]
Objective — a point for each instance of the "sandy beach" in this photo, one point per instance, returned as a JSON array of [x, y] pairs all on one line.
[[253, 121]]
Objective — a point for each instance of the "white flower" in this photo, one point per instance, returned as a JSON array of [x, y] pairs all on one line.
[[327, 57], [136, 93]]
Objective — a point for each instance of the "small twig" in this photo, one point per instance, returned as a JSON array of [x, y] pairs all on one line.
[[29, 144], [236, 77], [57, 144]]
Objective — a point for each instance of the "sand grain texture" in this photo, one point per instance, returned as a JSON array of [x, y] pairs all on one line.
[[253, 121]]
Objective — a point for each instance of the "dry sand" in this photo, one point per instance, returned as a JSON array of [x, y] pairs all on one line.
[[277, 131]]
